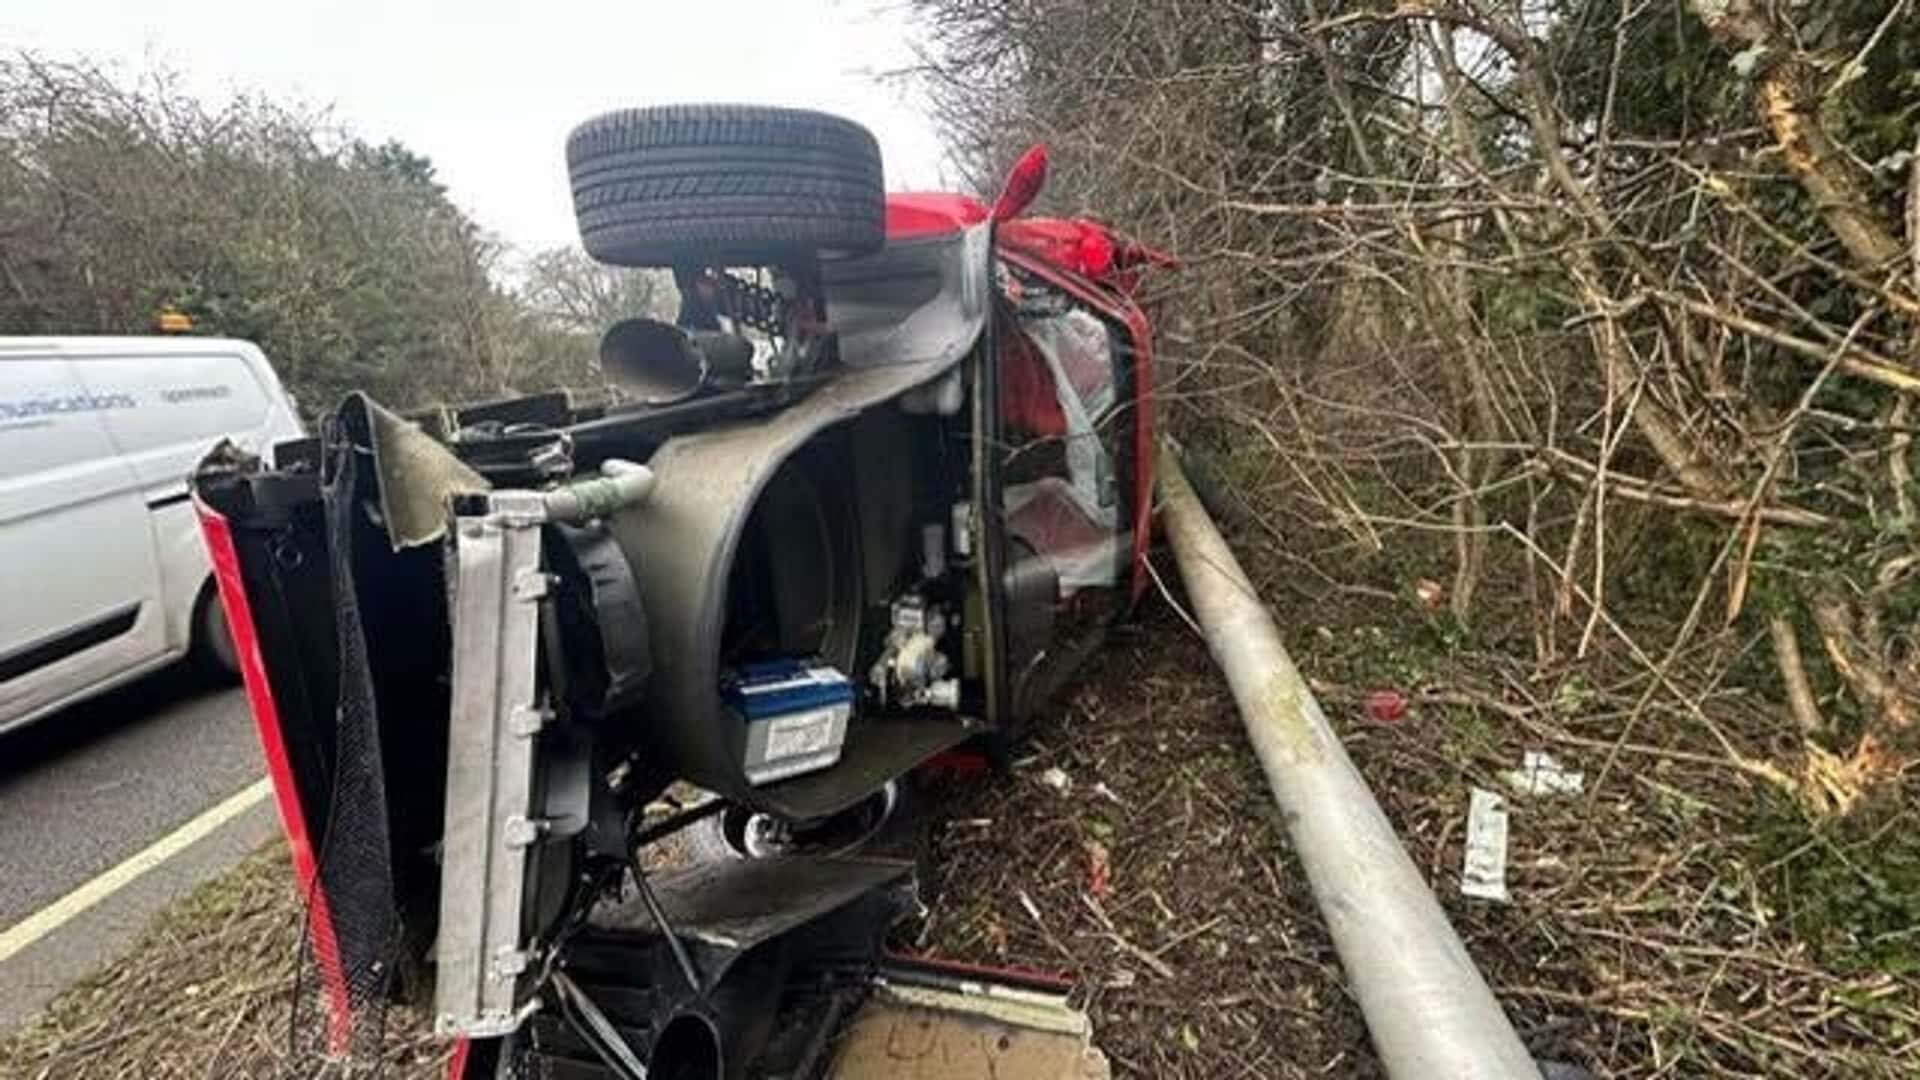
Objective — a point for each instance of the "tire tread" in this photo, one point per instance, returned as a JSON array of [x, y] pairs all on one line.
[[724, 185]]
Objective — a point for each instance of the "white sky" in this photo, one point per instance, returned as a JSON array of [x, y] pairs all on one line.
[[489, 88]]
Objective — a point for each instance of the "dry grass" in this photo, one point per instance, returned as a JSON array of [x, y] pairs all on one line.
[[1202, 958], [205, 995], [1674, 921]]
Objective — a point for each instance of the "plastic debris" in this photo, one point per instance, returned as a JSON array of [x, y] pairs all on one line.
[[1540, 774], [1432, 594], [1386, 706], [1056, 778], [1484, 874], [1032, 909], [1099, 870]]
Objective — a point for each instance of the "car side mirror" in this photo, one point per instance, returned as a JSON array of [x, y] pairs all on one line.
[[1023, 183]]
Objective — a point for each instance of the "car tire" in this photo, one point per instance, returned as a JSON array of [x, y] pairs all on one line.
[[212, 652], [725, 185]]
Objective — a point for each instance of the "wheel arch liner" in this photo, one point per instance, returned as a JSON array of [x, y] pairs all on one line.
[[682, 541]]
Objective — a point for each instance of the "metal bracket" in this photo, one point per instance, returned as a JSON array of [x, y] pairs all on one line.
[[531, 586], [521, 832], [510, 964], [526, 721]]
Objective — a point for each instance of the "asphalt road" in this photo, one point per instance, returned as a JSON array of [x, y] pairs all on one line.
[[84, 791]]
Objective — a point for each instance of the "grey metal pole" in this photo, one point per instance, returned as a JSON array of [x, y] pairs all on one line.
[[1429, 1011]]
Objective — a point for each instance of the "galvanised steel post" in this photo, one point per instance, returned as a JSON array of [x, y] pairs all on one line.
[[1428, 1009]]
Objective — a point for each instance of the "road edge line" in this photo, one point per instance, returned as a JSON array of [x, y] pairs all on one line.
[[35, 927]]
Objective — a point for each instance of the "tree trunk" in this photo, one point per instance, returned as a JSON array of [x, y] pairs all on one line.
[[1784, 84]]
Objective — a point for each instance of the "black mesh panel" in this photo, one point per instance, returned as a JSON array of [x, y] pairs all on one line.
[[356, 856]]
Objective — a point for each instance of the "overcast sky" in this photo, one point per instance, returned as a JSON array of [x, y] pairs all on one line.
[[489, 88]]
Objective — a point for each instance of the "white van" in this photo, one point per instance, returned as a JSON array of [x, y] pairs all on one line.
[[103, 574]]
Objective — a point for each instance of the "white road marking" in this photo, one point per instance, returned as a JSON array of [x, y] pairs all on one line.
[[62, 911]]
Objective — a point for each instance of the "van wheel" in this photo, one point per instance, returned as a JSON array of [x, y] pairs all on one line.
[[212, 653]]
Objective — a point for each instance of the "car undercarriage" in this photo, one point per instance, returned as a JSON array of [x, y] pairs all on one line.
[[596, 721]]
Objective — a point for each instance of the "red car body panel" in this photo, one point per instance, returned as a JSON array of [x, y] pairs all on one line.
[[1085, 259], [273, 747]]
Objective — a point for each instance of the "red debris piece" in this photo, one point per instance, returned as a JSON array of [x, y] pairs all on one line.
[[1432, 594], [1099, 870], [1386, 706]]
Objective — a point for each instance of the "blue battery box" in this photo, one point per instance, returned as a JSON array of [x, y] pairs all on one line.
[[795, 711]]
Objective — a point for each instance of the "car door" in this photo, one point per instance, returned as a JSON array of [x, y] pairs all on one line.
[[1072, 474], [84, 604]]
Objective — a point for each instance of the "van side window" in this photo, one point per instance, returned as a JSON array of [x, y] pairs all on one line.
[[180, 402]]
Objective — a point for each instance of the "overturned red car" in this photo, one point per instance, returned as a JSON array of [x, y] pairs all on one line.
[[595, 727]]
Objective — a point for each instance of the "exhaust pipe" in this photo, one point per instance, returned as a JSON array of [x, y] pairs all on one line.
[[662, 364], [1427, 1008]]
